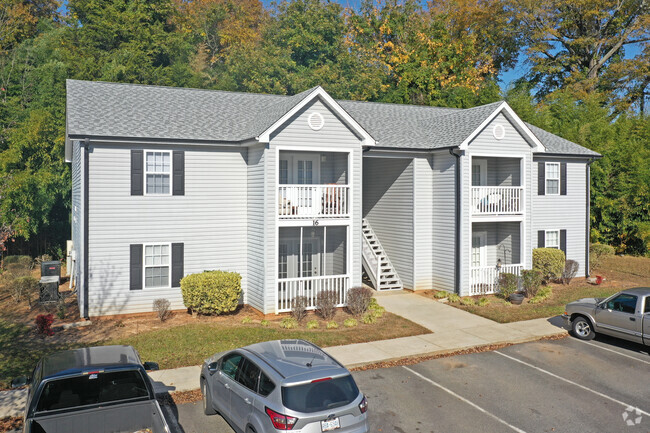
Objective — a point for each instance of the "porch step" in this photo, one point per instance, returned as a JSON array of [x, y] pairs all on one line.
[[376, 262]]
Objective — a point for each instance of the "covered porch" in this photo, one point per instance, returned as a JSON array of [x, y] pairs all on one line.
[[312, 259], [497, 187], [497, 247]]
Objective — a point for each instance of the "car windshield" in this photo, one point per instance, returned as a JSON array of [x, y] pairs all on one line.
[[320, 395], [91, 389]]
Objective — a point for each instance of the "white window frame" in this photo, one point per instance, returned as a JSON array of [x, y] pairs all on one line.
[[546, 244], [145, 266], [547, 178], [169, 173]]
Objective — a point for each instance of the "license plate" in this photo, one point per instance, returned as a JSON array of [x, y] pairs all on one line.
[[329, 425]]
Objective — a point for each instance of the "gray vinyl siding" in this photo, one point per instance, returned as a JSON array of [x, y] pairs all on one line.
[[444, 221], [77, 219], [503, 241], [334, 169], [254, 295], [564, 212], [210, 219], [334, 135], [512, 141], [423, 224], [388, 206], [502, 171]]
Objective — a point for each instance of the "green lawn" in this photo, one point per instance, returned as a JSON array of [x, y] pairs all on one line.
[[191, 344]]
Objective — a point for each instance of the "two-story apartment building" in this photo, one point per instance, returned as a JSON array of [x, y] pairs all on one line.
[[304, 193]]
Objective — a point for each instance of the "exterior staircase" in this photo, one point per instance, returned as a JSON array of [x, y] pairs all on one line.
[[380, 270]]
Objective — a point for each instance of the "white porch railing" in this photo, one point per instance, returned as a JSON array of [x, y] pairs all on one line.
[[485, 279], [373, 261], [497, 200], [313, 201], [289, 288]]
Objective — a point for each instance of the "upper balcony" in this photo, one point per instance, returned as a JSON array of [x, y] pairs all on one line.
[[496, 187], [313, 185]]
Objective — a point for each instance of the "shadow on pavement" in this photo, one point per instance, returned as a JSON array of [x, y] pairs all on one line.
[[170, 411]]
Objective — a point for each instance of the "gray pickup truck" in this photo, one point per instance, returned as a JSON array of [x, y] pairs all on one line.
[[102, 389], [624, 315]]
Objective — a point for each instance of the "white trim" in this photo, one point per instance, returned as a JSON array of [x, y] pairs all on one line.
[[482, 235], [498, 131], [144, 265], [511, 115], [546, 178], [367, 139], [145, 173], [558, 238]]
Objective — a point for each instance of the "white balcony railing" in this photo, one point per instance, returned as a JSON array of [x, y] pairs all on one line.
[[289, 288], [313, 201], [497, 200], [485, 279]]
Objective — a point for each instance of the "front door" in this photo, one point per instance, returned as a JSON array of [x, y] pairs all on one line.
[[479, 245], [290, 262], [479, 172]]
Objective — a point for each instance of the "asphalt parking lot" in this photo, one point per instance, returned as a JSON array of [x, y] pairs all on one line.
[[547, 386]]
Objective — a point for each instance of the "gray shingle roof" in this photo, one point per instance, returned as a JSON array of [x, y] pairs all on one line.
[[100, 109]]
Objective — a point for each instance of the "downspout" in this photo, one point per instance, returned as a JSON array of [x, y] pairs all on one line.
[[588, 216], [457, 223], [86, 143]]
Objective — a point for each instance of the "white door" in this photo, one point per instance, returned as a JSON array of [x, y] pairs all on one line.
[[290, 264], [479, 172], [479, 252]]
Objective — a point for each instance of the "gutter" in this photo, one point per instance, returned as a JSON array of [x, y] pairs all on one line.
[[457, 223], [85, 146], [588, 216]]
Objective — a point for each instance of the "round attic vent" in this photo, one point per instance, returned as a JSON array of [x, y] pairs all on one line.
[[499, 131], [316, 121]]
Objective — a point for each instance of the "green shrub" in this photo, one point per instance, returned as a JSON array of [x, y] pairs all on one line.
[[549, 262], [264, 322], [508, 284], [349, 323], [543, 294], [246, 321], [531, 280], [211, 292], [22, 261], [377, 312], [312, 324], [373, 303], [483, 302], [440, 294], [369, 318], [467, 301], [288, 323], [597, 252], [332, 325], [453, 297]]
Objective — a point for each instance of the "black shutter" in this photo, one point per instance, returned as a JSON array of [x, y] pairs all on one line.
[[541, 239], [563, 241], [541, 178], [137, 167], [178, 172], [136, 267], [563, 178], [177, 264]]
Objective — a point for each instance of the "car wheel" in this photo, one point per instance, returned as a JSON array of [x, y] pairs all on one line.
[[207, 400], [582, 328]]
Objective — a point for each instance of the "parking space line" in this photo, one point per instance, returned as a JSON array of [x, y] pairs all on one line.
[[600, 394], [613, 351], [449, 391]]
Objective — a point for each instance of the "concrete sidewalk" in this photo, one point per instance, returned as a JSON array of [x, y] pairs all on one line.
[[452, 330]]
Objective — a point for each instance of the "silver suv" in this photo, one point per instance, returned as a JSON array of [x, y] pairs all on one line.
[[283, 385]]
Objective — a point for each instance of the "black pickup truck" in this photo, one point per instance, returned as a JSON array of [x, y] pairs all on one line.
[[102, 389]]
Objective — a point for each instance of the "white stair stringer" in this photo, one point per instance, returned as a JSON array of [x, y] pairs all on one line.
[[380, 270]]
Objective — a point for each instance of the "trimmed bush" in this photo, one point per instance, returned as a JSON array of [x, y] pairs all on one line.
[[453, 297], [359, 300], [312, 324], [161, 307], [483, 302], [22, 261], [377, 311], [531, 280], [211, 292], [349, 323], [597, 252], [543, 294], [467, 301], [508, 284], [288, 323], [299, 306], [264, 322], [549, 262], [440, 294], [570, 271], [369, 319], [332, 325], [326, 303], [23, 288]]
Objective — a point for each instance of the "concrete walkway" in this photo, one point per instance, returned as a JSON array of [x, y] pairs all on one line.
[[452, 330]]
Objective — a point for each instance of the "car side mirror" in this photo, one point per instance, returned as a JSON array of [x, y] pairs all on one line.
[[212, 368], [151, 366], [21, 381]]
